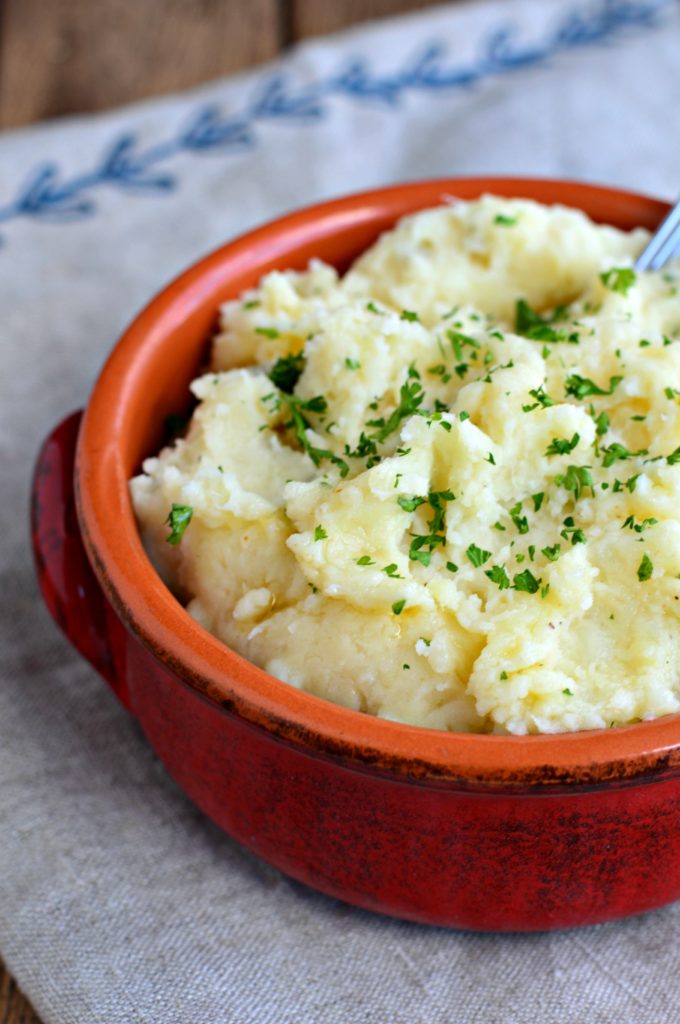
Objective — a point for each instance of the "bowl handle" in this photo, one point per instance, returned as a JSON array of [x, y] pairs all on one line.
[[69, 587]]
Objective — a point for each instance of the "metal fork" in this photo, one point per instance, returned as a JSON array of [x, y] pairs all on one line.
[[664, 243]]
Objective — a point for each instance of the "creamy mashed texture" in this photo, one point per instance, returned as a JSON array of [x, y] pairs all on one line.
[[445, 488]]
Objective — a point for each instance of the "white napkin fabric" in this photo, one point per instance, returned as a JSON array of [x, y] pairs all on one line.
[[119, 901]]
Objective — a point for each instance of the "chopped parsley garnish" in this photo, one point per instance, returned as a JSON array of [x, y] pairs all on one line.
[[567, 692], [542, 398], [618, 452], [267, 332], [630, 523], [581, 387], [477, 555], [645, 569], [319, 533], [408, 314], [601, 423], [526, 581], [532, 325], [399, 606], [520, 521], [422, 545], [537, 500], [251, 304], [499, 576], [619, 279], [458, 342], [526, 318], [572, 532], [286, 372], [452, 567], [178, 519], [490, 459], [561, 446], [372, 308], [673, 457], [300, 426], [365, 560], [551, 553], [504, 220], [411, 397], [392, 570], [352, 364], [410, 504], [671, 393], [576, 479], [464, 416], [503, 675]]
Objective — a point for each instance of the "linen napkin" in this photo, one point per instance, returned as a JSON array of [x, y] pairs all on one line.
[[119, 901]]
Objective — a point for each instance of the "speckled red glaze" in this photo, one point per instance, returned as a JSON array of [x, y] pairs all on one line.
[[479, 832]]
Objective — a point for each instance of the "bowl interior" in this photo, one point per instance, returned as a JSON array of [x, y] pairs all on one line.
[[146, 379]]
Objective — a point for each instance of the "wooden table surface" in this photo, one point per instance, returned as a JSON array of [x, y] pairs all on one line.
[[74, 56]]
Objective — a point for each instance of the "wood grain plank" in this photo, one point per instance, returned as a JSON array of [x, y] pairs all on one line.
[[310, 18], [64, 56], [14, 1007]]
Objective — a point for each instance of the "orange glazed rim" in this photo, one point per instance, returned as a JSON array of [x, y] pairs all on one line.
[[130, 384]]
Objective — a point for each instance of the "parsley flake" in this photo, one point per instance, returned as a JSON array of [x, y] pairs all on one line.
[[286, 372], [319, 533], [526, 582], [645, 569], [178, 519], [542, 399], [498, 575], [521, 522], [300, 426], [478, 556], [619, 279], [399, 606], [410, 504], [630, 523], [561, 446], [580, 387], [618, 452], [576, 479]]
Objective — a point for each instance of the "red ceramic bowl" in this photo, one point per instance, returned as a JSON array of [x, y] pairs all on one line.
[[484, 832]]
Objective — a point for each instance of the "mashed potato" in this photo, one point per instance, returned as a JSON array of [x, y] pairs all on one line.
[[444, 489]]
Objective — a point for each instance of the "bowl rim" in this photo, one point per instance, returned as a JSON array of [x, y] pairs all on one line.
[[228, 680]]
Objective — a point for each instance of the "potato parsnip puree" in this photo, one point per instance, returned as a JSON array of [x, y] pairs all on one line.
[[445, 488]]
